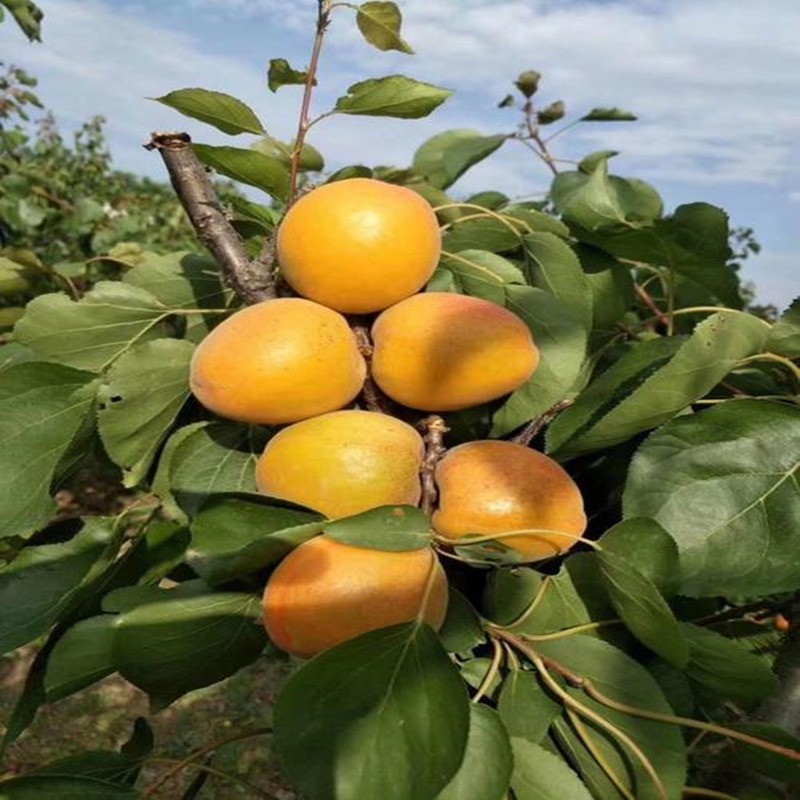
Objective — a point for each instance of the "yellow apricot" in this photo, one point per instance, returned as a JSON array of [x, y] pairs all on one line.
[[343, 463], [278, 361], [439, 351], [325, 592], [358, 245], [489, 487]]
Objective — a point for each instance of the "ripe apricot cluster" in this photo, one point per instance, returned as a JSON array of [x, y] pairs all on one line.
[[362, 246]]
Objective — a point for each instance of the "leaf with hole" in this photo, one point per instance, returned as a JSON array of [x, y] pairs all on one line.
[[138, 400]]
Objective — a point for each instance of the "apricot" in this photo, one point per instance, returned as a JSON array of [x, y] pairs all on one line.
[[442, 352], [325, 592], [343, 463], [278, 361], [358, 245], [489, 487]]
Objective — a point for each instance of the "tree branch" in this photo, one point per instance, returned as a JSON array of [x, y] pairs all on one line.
[[251, 279], [434, 429]]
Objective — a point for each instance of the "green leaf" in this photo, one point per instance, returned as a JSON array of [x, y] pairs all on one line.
[[729, 497], [542, 775], [81, 657], [234, 536], [784, 338], [92, 333], [693, 242], [481, 274], [182, 281], [217, 457], [589, 163], [281, 74], [353, 171], [552, 265], [379, 23], [644, 389], [462, 630], [561, 340], [65, 787], [247, 166], [14, 277], [525, 707], [162, 480], [43, 408], [224, 112], [393, 96], [487, 234], [509, 592], [27, 15], [485, 772], [490, 199], [643, 610], [726, 670], [621, 678], [138, 401], [443, 158], [40, 584], [392, 528], [644, 544], [610, 284], [391, 693], [310, 160], [609, 115], [599, 201], [173, 646]]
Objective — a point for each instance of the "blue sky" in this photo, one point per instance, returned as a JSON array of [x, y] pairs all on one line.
[[715, 83]]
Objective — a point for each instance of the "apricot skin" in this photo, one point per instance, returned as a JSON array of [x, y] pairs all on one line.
[[343, 463], [358, 245], [443, 352], [278, 361], [489, 487], [325, 592]]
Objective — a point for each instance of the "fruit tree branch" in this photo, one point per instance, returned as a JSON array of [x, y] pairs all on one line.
[[251, 279]]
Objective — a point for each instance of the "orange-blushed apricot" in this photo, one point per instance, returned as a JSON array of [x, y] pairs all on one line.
[[343, 463], [490, 487], [278, 361], [358, 245], [439, 351], [326, 592]]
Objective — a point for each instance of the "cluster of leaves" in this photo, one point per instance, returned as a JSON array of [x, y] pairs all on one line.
[[674, 409], [67, 217]]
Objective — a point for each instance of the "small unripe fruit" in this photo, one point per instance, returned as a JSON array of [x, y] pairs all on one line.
[[325, 592], [358, 245], [278, 361], [439, 351], [489, 487], [343, 463]]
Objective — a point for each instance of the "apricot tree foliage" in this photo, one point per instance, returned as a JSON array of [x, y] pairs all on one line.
[[673, 409]]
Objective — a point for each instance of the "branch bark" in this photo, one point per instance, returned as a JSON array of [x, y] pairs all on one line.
[[251, 279]]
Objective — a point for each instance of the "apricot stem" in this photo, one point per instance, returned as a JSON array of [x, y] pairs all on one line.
[[543, 533], [696, 791], [586, 738], [535, 426], [434, 429], [491, 673], [374, 399]]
